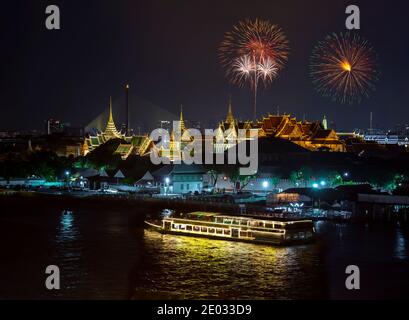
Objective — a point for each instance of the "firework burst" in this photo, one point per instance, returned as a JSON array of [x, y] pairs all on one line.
[[254, 52], [343, 67]]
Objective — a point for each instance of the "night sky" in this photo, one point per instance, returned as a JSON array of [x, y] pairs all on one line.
[[167, 51]]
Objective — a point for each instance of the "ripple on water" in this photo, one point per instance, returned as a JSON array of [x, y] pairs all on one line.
[[209, 269]]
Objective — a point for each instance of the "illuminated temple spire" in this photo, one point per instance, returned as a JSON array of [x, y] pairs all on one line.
[[181, 121], [110, 130], [325, 123], [230, 118]]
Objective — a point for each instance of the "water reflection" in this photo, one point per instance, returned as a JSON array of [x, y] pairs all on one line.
[[210, 269], [400, 250], [68, 256], [67, 230]]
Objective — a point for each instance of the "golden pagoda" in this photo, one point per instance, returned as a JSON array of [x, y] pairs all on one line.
[[230, 118], [110, 130], [181, 121]]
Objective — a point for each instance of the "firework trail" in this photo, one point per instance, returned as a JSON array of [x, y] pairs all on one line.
[[343, 67], [254, 52]]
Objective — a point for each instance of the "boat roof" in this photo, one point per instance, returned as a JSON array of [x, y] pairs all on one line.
[[215, 214]]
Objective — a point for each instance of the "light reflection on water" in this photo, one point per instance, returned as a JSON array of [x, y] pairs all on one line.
[[207, 268], [400, 251], [69, 247]]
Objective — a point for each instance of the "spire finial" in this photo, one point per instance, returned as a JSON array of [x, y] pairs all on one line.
[[182, 122], [111, 118], [230, 117]]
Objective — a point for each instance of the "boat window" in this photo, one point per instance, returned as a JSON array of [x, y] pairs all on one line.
[[219, 231], [227, 231], [204, 229], [189, 228], [261, 224], [243, 234], [211, 230], [243, 222], [196, 228], [227, 221], [236, 221], [268, 224], [278, 226], [174, 226], [182, 227]]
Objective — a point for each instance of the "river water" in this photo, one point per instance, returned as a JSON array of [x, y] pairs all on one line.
[[107, 254]]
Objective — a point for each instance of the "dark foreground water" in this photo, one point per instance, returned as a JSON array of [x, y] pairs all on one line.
[[107, 254]]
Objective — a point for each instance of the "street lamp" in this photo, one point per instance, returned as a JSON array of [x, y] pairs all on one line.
[[265, 184], [67, 174], [323, 183], [315, 185], [346, 174]]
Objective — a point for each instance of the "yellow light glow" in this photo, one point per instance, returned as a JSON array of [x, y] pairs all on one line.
[[346, 66]]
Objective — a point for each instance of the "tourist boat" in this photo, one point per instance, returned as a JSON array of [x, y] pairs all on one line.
[[237, 228]]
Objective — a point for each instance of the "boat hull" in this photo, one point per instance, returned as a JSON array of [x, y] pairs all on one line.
[[154, 225]]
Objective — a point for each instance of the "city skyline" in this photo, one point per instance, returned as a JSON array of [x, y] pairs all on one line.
[[70, 73]]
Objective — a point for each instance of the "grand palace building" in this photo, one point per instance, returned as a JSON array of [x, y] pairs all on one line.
[[311, 135]]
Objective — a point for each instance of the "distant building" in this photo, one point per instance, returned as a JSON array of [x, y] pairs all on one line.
[[187, 178], [388, 138], [53, 126], [177, 179]]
